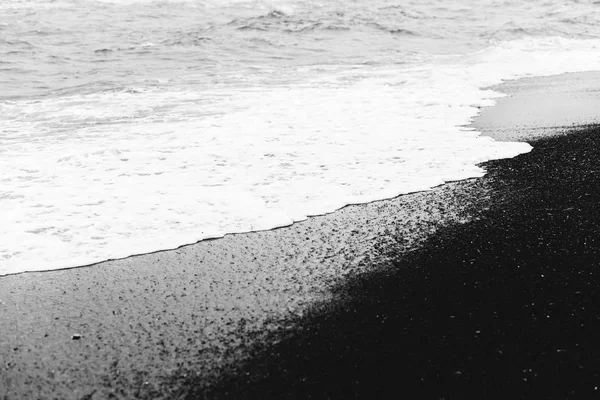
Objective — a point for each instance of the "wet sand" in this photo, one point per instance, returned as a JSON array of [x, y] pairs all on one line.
[[479, 287], [542, 106]]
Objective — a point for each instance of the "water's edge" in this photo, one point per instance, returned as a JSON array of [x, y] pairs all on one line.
[[149, 324]]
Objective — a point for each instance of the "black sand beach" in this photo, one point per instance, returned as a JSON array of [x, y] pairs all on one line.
[[505, 306], [483, 288]]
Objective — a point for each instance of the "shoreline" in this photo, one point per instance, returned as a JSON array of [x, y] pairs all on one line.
[[520, 125], [113, 260], [173, 323]]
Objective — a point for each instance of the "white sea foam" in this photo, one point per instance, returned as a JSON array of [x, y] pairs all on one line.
[[87, 178]]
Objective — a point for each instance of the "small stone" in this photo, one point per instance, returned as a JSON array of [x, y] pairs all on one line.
[[76, 336]]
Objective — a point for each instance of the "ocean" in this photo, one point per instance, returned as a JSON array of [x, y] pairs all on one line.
[[131, 126]]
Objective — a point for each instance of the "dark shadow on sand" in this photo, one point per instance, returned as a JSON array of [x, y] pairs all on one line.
[[507, 306]]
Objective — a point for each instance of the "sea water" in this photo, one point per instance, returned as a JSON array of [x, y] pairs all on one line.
[[130, 126]]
